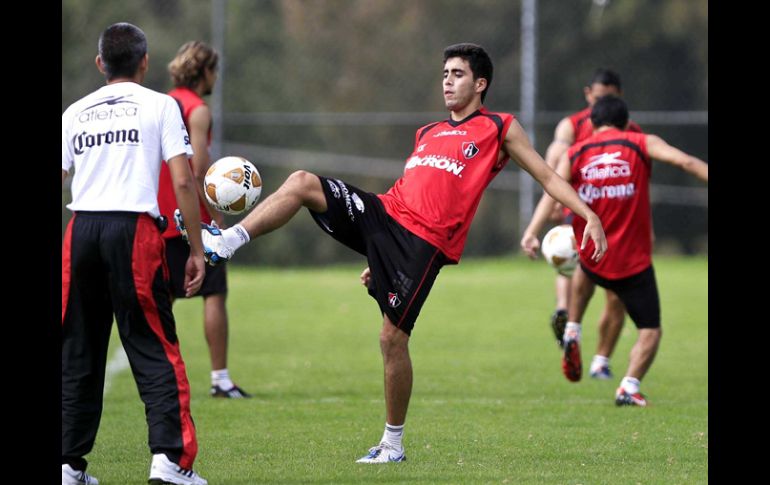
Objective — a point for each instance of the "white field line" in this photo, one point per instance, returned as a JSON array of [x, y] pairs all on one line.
[[117, 364]]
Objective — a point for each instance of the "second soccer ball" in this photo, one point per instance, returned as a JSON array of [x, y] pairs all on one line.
[[560, 249]]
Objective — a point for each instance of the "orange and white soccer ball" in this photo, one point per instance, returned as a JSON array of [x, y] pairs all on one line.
[[560, 249], [232, 185]]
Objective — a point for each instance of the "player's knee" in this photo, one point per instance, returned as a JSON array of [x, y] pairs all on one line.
[[651, 335], [301, 180], [307, 186], [393, 340]]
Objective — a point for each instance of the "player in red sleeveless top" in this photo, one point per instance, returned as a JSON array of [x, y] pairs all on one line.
[[420, 224], [194, 73], [611, 172], [570, 131]]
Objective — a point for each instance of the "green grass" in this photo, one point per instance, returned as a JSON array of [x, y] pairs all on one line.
[[489, 405]]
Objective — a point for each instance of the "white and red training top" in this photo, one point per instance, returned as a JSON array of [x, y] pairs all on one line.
[[444, 178], [116, 138]]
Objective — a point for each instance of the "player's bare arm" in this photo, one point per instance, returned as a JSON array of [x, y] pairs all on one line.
[[563, 138], [658, 149], [200, 122], [517, 146], [187, 198], [530, 242]]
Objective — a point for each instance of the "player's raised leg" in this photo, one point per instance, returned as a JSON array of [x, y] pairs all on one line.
[[301, 189]]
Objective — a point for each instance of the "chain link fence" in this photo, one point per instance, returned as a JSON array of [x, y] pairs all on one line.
[[340, 86]]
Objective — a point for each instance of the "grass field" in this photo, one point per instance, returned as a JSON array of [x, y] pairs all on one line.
[[489, 404]]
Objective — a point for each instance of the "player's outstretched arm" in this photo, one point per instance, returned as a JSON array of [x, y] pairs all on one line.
[[658, 149], [530, 242], [563, 138], [520, 150]]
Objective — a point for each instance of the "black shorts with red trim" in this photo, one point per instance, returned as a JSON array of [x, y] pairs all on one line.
[[177, 252], [403, 266], [639, 293]]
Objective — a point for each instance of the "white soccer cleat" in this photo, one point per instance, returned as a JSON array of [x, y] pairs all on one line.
[[625, 398], [164, 470], [70, 476], [215, 251], [602, 372], [383, 453]]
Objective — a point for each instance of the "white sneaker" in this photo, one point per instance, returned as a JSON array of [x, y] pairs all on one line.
[[602, 372], [70, 476], [164, 470], [383, 453]]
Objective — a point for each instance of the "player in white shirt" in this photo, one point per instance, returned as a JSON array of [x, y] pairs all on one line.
[[113, 260]]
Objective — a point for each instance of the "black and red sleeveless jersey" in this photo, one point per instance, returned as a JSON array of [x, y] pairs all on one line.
[[444, 178], [611, 173]]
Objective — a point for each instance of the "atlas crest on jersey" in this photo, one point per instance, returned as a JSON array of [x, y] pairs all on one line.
[[470, 149]]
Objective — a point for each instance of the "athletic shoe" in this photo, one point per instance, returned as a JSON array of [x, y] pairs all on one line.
[[558, 323], [623, 398], [383, 453], [70, 476], [571, 365], [233, 393], [215, 251], [602, 372], [165, 471]]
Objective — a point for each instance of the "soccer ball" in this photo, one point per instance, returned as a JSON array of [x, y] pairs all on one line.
[[233, 185], [560, 249]]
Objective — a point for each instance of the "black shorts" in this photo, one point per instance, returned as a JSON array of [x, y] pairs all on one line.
[[177, 252], [403, 265], [639, 293]]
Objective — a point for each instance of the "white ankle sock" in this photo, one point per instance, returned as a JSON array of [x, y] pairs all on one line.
[[235, 236], [221, 378], [392, 436], [599, 361], [572, 331], [630, 384]]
